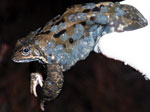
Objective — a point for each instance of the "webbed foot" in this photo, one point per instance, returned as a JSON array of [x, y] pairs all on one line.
[[36, 78]]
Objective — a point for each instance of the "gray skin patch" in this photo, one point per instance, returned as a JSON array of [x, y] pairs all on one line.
[[103, 9], [78, 32], [97, 32], [64, 36], [119, 12], [62, 25], [89, 6], [72, 17], [54, 29], [48, 50], [89, 22], [76, 17], [101, 19], [81, 16]]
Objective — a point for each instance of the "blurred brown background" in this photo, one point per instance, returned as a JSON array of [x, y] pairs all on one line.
[[97, 84]]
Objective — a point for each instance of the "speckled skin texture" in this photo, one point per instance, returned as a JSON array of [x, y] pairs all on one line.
[[70, 37], [53, 83]]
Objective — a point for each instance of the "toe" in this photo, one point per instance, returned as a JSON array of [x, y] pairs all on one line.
[[36, 78]]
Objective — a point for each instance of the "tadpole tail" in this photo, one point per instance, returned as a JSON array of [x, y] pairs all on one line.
[[53, 84]]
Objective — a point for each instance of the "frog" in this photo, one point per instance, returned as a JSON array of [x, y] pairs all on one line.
[[69, 38]]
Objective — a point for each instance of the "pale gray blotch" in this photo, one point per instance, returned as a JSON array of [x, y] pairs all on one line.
[[36, 52]]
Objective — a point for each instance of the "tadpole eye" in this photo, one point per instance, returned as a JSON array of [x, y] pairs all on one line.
[[25, 51]]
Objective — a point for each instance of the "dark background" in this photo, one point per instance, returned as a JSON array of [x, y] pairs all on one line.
[[97, 84]]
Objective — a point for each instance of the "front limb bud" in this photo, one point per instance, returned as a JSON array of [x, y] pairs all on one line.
[[53, 84]]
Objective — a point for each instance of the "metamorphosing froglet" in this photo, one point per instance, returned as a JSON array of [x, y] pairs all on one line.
[[69, 38]]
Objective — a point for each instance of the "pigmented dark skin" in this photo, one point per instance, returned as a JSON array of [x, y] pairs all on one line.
[[53, 83]]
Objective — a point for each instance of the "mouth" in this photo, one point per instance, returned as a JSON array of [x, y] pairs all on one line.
[[20, 60], [24, 60]]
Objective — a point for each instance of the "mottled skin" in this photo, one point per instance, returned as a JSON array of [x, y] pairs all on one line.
[[53, 83], [37, 45]]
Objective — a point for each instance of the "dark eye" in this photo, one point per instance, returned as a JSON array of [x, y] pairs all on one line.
[[25, 51]]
